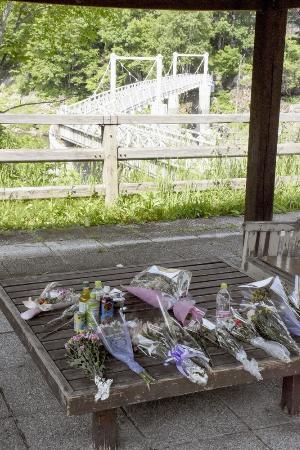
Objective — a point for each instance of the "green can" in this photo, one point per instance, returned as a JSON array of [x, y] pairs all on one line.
[[79, 322]]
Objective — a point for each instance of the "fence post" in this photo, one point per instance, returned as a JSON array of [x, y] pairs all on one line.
[[110, 166]]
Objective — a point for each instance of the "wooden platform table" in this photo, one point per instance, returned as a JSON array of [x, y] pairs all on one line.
[[76, 393]]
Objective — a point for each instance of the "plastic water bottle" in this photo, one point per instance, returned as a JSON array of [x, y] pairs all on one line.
[[98, 290], [223, 304]]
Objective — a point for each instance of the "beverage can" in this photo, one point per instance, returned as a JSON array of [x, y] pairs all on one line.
[[107, 309], [79, 322]]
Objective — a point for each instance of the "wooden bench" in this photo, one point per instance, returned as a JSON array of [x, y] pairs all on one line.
[[263, 239], [76, 393]]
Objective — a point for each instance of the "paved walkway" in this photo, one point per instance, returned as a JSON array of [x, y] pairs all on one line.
[[238, 418]]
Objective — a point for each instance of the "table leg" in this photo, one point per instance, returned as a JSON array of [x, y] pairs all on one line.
[[104, 430], [290, 399]]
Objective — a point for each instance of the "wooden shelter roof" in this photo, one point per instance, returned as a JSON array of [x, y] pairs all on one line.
[[196, 5]]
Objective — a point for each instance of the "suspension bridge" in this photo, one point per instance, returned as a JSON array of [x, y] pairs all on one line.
[[159, 95]]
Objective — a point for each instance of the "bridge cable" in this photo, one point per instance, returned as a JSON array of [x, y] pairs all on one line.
[[198, 68], [151, 68], [102, 79], [129, 73]]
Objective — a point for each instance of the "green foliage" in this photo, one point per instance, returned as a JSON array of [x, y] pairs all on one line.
[[63, 51], [163, 205], [291, 75]]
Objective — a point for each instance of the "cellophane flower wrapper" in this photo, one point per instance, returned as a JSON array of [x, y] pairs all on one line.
[[86, 352], [244, 331], [294, 296], [272, 291], [116, 339], [52, 298], [220, 336], [269, 325], [159, 283], [156, 341]]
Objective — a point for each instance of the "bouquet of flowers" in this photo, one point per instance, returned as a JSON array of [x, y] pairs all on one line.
[[244, 331], [160, 284], [116, 339], [269, 325], [275, 293], [169, 288], [52, 298], [85, 351], [220, 336], [170, 342]]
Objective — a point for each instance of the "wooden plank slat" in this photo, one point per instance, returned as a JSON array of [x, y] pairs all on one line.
[[50, 155], [76, 191], [169, 385], [122, 277], [157, 153], [90, 119], [190, 264]]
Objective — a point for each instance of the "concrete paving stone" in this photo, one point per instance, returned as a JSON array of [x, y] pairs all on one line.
[[24, 250], [257, 404], [129, 437], [236, 441], [188, 226], [4, 411], [112, 233], [57, 432], [182, 419], [218, 247], [12, 352], [4, 325], [31, 266], [129, 255], [282, 437], [64, 247], [10, 438], [26, 391], [149, 253]]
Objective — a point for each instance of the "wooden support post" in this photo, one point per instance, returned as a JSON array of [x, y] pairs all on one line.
[[264, 111], [290, 399], [104, 430], [110, 167]]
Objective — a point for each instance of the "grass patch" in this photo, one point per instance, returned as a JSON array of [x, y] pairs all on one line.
[[159, 206]]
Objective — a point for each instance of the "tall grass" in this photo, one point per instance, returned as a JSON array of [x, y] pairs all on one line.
[[134, 209], [162, 205]]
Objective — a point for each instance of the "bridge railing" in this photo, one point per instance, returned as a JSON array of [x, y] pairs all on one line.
[[111, 154]]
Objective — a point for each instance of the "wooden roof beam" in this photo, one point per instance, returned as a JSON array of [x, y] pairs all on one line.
[[191, 5]]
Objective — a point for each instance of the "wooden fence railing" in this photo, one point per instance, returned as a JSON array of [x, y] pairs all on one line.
[[111, 154]]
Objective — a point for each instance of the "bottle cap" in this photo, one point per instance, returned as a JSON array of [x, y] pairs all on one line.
[[98, 284], [223, 286], [85, 284], [106, 289]]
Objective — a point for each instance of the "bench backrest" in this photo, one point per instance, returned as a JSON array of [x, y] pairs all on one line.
[[270, 239]]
